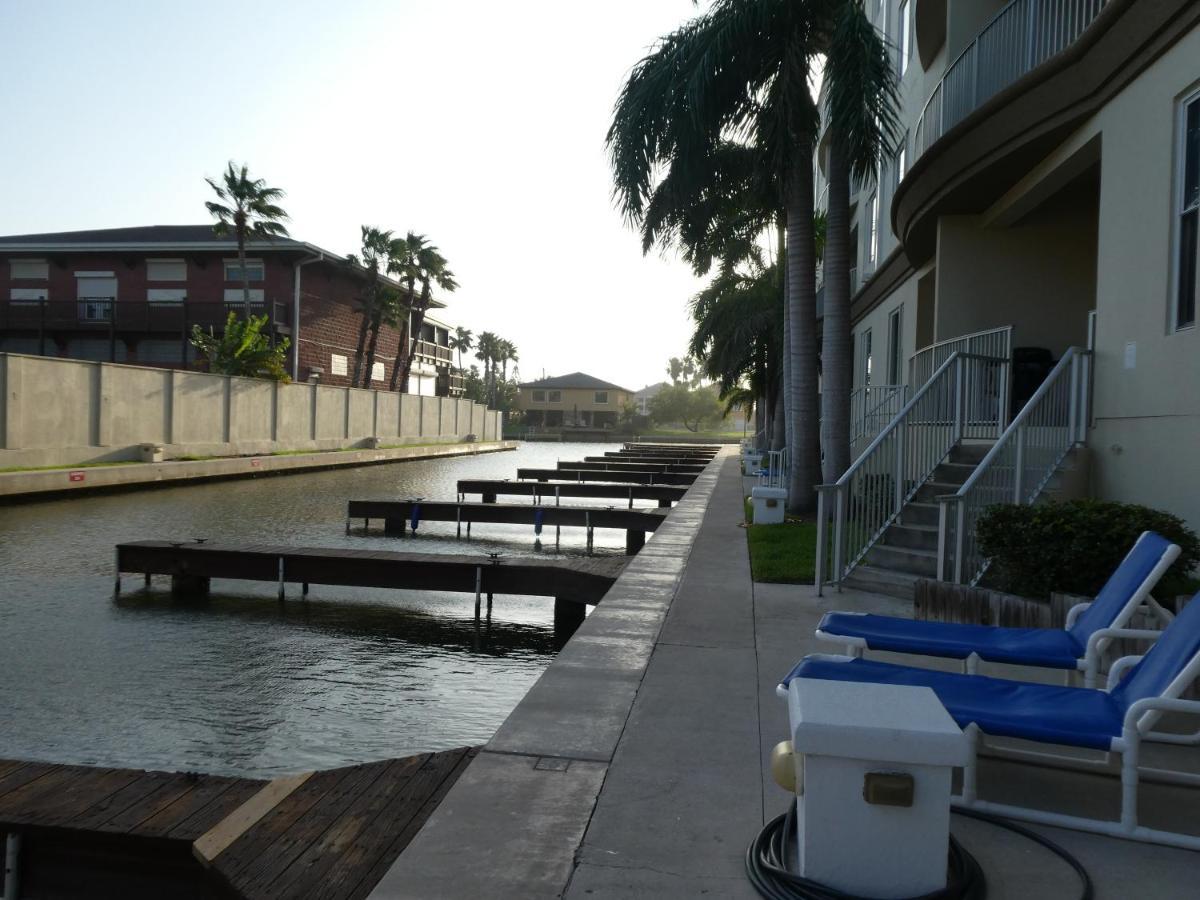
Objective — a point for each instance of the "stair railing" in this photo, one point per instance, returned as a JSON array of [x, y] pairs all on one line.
[[966, 397], [774, 473], [871, 408], [991, 342], [1018, 466]]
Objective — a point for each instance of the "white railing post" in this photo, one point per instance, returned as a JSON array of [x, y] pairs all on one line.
[[898, 479], [822, 539], [1073, 414], [958, 399], [959, 539], [839, 531], [1019, 467], [943, 537]]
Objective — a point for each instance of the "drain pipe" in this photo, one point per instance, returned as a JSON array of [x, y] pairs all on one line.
[[296, 311]]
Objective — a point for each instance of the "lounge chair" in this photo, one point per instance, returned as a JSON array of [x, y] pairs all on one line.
[[1116, 720], [1078, 646]]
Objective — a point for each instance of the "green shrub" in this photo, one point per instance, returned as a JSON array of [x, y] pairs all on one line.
[[1074, 547]]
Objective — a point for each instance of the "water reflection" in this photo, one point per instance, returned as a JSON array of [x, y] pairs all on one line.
[[240, 683]]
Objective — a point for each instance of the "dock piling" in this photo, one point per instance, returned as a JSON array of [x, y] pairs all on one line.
[[12, 858], [281, 579], [568, 616], [634, 541], [394, 526], [478, 583], [117, 576]]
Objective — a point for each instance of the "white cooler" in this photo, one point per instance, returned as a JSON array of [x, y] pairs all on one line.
[[872, 767], [769, 504]]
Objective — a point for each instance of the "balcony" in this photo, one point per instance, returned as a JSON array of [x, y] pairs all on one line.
[[103, 314], [436, 353], [1022, 36]]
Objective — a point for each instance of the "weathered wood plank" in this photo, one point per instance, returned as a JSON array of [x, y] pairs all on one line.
[[217, 839]]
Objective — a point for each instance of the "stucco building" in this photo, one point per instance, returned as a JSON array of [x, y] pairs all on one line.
[[1044, 194], [573, 401], [132, 295]]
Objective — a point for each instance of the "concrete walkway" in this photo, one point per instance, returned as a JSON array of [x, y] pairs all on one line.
[[637, 767]]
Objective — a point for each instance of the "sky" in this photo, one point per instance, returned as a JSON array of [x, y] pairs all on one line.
[[479, 124]]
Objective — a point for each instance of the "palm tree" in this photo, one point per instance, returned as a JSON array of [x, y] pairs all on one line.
[[463, 339], [375, 246], [741, 69], [419, 261], [485, 351], [405, 263], [249, 210], [861, 107]]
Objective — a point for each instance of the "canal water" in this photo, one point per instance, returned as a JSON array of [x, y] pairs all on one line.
[[239, 683]]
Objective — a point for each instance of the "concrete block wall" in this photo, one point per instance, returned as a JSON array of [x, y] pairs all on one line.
[[65, 412]]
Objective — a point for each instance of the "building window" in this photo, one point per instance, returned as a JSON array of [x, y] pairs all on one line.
[[904, 39], [167, 270], [900, 163], [255, 270], [166, 296], [30, 269], [1188, 206], [866, 358], [235, 299], [554, 396], [27, 296], [601, 396], [873, 245], [539, 396], [895, 354]]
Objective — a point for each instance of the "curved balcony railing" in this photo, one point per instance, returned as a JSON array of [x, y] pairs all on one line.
[[1020, 37]]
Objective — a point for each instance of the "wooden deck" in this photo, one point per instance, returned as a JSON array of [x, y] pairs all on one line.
[[614, 475], [504, 513], [329, 834], [576, 580]]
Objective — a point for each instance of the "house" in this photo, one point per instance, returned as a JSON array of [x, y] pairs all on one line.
[[643, 397], [573, 401], [132, 295], [1044, 195]]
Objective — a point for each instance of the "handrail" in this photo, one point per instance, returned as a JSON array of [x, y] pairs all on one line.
[[988, 342], [1019, 465], [1018, 38], [863, 417], [964, 399]]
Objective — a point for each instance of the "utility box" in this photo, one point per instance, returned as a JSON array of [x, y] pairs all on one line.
[[751, 461], [148, 453], [769, 504], [873, 766]]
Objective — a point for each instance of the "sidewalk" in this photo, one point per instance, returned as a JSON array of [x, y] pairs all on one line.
[[685, 785]]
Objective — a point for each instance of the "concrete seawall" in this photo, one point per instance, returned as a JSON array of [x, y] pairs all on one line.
[[15, 486], [67, 412]]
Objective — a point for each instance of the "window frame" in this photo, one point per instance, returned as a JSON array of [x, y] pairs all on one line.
[[15, 300], [538, 396], [166, 261], [873, 234], [596, 395], [895, 374], [904, 36], [900, 163], [1179, 213], [554, 396], [250, 263], [866, 355], [43, 263]]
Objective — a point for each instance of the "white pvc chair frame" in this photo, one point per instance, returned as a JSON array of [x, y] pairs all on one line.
[[1098, 642], [1138, 726]]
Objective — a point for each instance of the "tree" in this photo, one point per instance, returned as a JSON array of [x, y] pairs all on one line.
[[404, 261], [249, 210], [462, 340], [375, 249], [243, 349], [420, 260], [741, 68], [691, 407], [861, 108], [486, 349]]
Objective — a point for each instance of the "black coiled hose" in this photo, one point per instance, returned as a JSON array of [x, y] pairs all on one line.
[[766, 864]]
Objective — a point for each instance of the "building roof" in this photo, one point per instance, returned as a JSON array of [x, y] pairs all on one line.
[[577, 380], [651, 390], [158, 238]]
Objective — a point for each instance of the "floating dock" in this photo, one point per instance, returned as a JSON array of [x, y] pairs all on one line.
[[74, 830], [400, 515], [545, 492], [598, 464], [608, 474]]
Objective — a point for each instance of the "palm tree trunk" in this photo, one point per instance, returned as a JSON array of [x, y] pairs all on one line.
[[789, 415], [835, 334], [805, 455], [401, 343], [372, 345], [367, 314], [418, 321]]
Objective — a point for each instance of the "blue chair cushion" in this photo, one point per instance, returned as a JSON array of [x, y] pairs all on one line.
[[1048, 647], [1077, 717]]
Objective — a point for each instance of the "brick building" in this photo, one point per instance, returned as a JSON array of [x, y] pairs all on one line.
[[132, 295]]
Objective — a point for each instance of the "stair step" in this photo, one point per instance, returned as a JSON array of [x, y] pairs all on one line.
[[920, 563], [918, 537], [916, 512], [876, 580]]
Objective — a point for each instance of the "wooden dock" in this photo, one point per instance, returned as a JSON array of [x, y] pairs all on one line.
[[613, 475], [191, 567], [134, 834], [546, 492], [595, 464], [400, 515]]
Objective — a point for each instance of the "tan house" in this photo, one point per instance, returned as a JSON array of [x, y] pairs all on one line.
[[572, 401], [1030, 256]]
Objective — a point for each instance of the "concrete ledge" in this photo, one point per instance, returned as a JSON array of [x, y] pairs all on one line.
[[513, 823], [50, 482]]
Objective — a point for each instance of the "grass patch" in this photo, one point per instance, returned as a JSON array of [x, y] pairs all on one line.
[[95, 465], [781, 554]]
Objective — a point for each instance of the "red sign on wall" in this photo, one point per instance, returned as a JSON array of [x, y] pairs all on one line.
[[256, 462], [75, 476]]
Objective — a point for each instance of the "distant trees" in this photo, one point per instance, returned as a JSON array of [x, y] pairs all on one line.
[[686, 401], [417, 260], [248, 209], [462, 339], [376, 247], [243, 349]]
